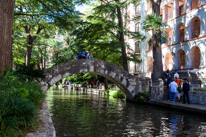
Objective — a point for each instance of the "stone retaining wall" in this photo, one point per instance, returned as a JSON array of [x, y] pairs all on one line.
[[157, 90], [46, 126], [198, 97]]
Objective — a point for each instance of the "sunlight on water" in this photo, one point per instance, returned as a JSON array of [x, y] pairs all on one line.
[[87, 114]]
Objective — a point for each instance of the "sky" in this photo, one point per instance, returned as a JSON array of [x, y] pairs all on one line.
[[82, 8]]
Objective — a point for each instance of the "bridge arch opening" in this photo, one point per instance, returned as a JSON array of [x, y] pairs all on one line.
[[126, 82]]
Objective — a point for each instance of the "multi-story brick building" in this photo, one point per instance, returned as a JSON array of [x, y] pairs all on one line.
[[186, 45]]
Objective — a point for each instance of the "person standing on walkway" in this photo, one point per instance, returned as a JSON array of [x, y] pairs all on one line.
[[67, 82], [179, 88], [185, 90], [98, 84], [169, 80], [176, 75], [167, 73], [173, 89], [92, 82]]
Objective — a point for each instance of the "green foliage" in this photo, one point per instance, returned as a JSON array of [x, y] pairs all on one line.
[[29, 72], [199, 89], [154, 22], [19, 102], [118, 94], [16, 114], [107, 91], [141, 97]]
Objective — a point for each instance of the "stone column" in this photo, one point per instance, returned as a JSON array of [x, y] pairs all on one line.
[[189, 5], [174, 9], [174, 36], [202, 59], [163, 14], [202, 28], [175, 63], [187, 62], [187, 33]]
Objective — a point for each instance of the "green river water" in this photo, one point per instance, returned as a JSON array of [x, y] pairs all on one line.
[[90, 114]]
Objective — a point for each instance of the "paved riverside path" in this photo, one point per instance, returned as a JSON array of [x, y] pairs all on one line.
[[83, 88], [196, 108]]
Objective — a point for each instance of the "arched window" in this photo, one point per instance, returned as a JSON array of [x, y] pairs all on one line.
[[168, 61], [180, 58], [149, 64], [194, 4], [195, 57], [195, 27], [180, 32], [169, 34]]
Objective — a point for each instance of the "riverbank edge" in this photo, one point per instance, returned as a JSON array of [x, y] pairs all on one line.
[[193, 108], [46, 127]]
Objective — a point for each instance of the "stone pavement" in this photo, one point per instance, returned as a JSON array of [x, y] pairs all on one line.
[[46, 126], [178, 105]]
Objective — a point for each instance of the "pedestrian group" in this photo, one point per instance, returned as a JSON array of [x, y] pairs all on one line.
[[85, 55], [174, 88]]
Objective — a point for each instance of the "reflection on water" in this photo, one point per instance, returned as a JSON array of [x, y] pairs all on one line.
[[86, 114]]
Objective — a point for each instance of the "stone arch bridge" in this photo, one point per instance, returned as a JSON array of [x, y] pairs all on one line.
[[128, 83]]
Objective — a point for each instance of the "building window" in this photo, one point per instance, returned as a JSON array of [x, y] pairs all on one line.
[[195, 27], [169, 11], [137, 9], [181, 32], [194, 4], [137, 49], [180, 59]]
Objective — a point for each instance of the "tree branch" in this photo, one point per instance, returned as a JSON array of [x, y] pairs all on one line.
[[114, 34]]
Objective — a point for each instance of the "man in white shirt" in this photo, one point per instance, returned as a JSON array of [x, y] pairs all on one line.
[[173, 89], [176, 75]]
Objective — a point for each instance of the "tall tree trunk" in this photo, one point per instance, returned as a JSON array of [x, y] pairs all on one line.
[[121, 39], [45, 58], [157, 71], [28, 55], [6, 22], [105, 83]]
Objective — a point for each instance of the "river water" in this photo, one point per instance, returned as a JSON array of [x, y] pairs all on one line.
[[87, 114]]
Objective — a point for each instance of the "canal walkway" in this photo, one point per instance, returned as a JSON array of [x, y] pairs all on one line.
[[178, 105]]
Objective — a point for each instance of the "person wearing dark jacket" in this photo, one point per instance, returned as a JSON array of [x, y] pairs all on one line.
[[169, 80], [186, 89]]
